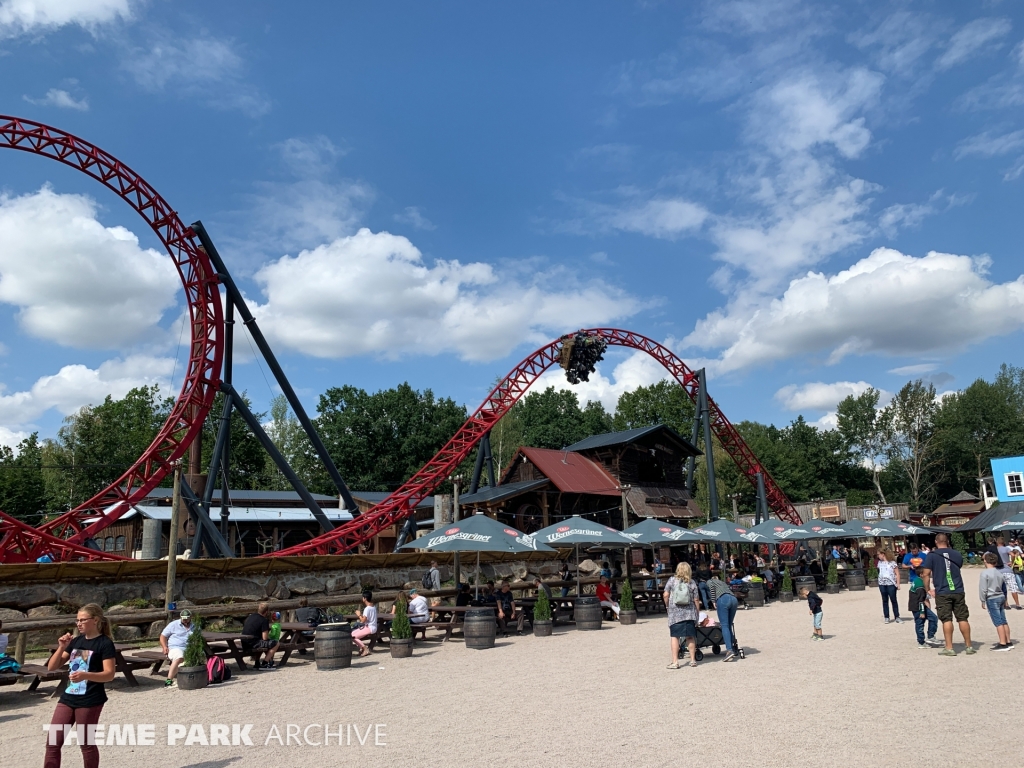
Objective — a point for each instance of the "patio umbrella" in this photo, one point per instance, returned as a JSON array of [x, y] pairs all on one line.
[[653, 532], [577, 530], [825, 531], [728, 532], [1015, 523], [478, 533], [886, 529], [780, 530]]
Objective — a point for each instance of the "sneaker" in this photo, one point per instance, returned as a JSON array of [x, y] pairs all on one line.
[[947, 652], [923, 646], [168, 683], [814, 637], [970, 651], [934, 641], [886, 621], [899, 620], [730, 656], [1001, 648], [269, 665]]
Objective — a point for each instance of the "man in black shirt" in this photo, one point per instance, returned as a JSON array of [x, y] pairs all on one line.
[[257, 627], [507, 610]]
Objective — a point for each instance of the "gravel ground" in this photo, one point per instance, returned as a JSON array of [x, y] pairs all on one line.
[[867, 695]]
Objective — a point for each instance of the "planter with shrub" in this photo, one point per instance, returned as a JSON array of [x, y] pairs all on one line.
[[832, 579], [786, 593], [542, 623], [627, 609], [401, 632], [192, 674]]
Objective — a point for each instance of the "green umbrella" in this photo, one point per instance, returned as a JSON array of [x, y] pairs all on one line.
[[651, 531], [577, 530], [1015, 523], [728, 532]]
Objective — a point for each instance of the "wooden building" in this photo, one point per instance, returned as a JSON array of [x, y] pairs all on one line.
[[959, 510], [643, 469]]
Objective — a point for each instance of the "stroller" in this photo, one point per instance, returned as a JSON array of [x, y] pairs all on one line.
[[711, 637]]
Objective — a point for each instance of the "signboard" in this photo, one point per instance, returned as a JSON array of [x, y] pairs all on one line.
[[665, 556], [954, 521], [637, 556], [830, 513], [886, 512], [870, 514]]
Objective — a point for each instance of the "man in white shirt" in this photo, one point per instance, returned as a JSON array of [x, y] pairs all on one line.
[[418, 610], [173, 640]]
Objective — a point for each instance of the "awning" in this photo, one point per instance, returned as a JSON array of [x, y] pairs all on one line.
[[488, 495]]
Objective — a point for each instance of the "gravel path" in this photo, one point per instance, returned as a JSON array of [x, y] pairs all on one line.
[[867, 695]]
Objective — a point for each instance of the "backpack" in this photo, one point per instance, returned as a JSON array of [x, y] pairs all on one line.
[[428, 579], [681, 593], [8, 664], [215, 668]]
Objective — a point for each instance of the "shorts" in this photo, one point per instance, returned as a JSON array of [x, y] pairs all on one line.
[[817, 619], [1010, 579], [951, 604], [260, 645], [175, 653], [997, 610], [683, 629]]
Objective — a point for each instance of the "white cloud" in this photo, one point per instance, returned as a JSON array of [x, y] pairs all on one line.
[[638, 370], [818, 396], [371, 293], [899, 41], [914, 370], [664, 218], [310, 157], [23, 17], [11, 438], [989, 144], [77, 385], [55, 97], [903, 215], [202, 67], [414, 217], [975, 37], [75, 281], [887, 303]]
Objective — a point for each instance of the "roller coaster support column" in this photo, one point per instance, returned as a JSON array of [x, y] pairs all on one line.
[[206, 531], [235, 297], [709, 446], [268, 445], [483, 454], [762, 502], [225, 457], [691, 463]]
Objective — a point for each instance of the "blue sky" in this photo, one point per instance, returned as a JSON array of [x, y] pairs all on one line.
[[805, 200]]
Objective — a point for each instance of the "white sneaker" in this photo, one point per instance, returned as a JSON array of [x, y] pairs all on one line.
[[899, 620], [886, 621]]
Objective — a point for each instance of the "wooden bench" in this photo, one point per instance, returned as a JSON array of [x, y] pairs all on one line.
[[422, 627], [154, 659], [40, 674], [8, 678]]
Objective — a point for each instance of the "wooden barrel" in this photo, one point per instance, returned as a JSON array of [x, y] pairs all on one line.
[[855, 581], [479, 628], [332, 646], [799, 582], [588, 613], [755, 596]]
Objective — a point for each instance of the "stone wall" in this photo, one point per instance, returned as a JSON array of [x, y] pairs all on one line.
[[54, 599]]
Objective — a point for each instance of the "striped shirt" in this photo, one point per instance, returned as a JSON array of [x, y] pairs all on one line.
[[717, 587]]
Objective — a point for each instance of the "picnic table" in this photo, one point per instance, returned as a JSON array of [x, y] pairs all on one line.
[[232, 642], [125, 665]]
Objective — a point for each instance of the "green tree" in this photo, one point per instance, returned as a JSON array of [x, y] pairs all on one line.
[[286, 432], [22, 489], [248, 460], [859, 428], [662, 403], [379, 440], [908, 426]]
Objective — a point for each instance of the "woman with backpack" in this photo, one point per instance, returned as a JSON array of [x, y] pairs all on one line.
[[682, 601]]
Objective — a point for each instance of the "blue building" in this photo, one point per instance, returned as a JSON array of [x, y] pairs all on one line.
[[1008, 478]]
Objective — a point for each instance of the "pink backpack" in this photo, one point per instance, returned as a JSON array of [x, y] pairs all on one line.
[[217, 669]]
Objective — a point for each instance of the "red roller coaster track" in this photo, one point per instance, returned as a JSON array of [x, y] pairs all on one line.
[[63, 537], [402, 502]]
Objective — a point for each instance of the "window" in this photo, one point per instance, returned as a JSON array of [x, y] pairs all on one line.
[[108, 544], [119, 544], [1015, 483]]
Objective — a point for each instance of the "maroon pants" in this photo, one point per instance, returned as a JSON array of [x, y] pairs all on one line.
[[65, 715]]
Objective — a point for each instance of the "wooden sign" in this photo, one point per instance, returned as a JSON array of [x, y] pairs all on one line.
[[637, 556]]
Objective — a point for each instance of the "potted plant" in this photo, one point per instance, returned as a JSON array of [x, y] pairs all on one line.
[[832, 579], [192, 673], [542, 615], [627, 609], [401, 632], [786, 595], [873, 576]]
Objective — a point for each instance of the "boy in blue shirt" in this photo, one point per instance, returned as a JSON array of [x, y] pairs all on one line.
[[918, 605]]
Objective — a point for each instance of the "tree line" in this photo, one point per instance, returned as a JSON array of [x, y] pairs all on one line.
[[918, 448]]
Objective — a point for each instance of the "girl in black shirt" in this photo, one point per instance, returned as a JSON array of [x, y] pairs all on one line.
[[91, 654]]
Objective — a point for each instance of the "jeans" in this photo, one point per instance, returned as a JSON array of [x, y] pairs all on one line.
[[919, 621], [705, 596], [889, 594], [997, 610], [65, 715], [726, 607]]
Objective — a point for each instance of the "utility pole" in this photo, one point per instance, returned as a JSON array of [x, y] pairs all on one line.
[[172, 541]]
